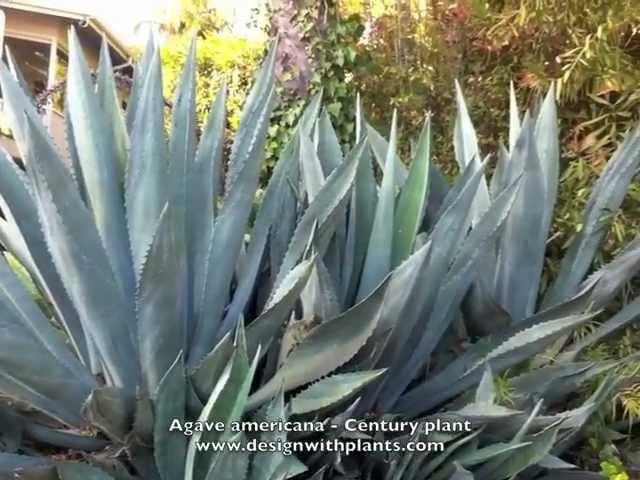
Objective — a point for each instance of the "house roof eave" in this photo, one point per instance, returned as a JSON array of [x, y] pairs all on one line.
[[87, 20]]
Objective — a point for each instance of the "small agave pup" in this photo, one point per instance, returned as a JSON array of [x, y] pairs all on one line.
[[342, 299]]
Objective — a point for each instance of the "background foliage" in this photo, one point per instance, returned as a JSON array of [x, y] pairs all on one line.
[[222, 57], [407, 53], [590, 50], [318, 51]]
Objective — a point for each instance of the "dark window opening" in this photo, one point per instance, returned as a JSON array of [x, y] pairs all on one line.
[[32, 59]]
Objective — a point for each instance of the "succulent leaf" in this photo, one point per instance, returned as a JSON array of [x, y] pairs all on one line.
[[110, 104], [333, 193], [19, 205], [97, 158], [327, 347], [170, 404], [77, 250], [465, 142], [329, 150], [331, 390], [161, 301], [524, 235], [377, 263], [80, 471], [412, 198], [204, 184], [262, 331], [30, 347], [227, 236], [146, 179], [226, 404], [606, 197]]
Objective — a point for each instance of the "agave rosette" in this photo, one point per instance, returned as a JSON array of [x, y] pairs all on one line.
[[340, 295]]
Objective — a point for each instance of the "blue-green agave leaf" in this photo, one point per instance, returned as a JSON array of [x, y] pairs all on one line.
[[327, 347], [412, 199], [437, 191], [182, 150], [17, 297], [161, 301], [450, 451], [146, 182], [12, 463], [81, 471], [530, 340], [243, 149], [402, 283], [363, 203], [481, 455], [333, 193], [110, 104], [312, 173], [523, 238], [556, 382], [320, 298], [205, 376], [461, 474], [519, 347], [170, 403], [288, 204], [486, 391], [139, 75], [605, 283], [230, 465], [112, 410], [270, 464], [465, 144], [77, 250], [518, 460], [227, 237], [624, 317], [514, 119], [377, 263], [444, 241], [204, 185], [36, 366], [499, 177], [329, 151], [547, 138], [267, 219], [262, 331], [605, 199], [226, 404], [457, 281], [332, 390], [72, 153], [97, 158], [18, 204], [380, 148]]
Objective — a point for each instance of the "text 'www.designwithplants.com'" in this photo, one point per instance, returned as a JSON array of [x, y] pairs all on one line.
[[350, 436]]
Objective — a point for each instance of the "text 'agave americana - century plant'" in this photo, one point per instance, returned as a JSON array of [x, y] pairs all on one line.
[[173, 297]]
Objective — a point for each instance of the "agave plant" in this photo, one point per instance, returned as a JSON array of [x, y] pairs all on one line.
[[173, 300]]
